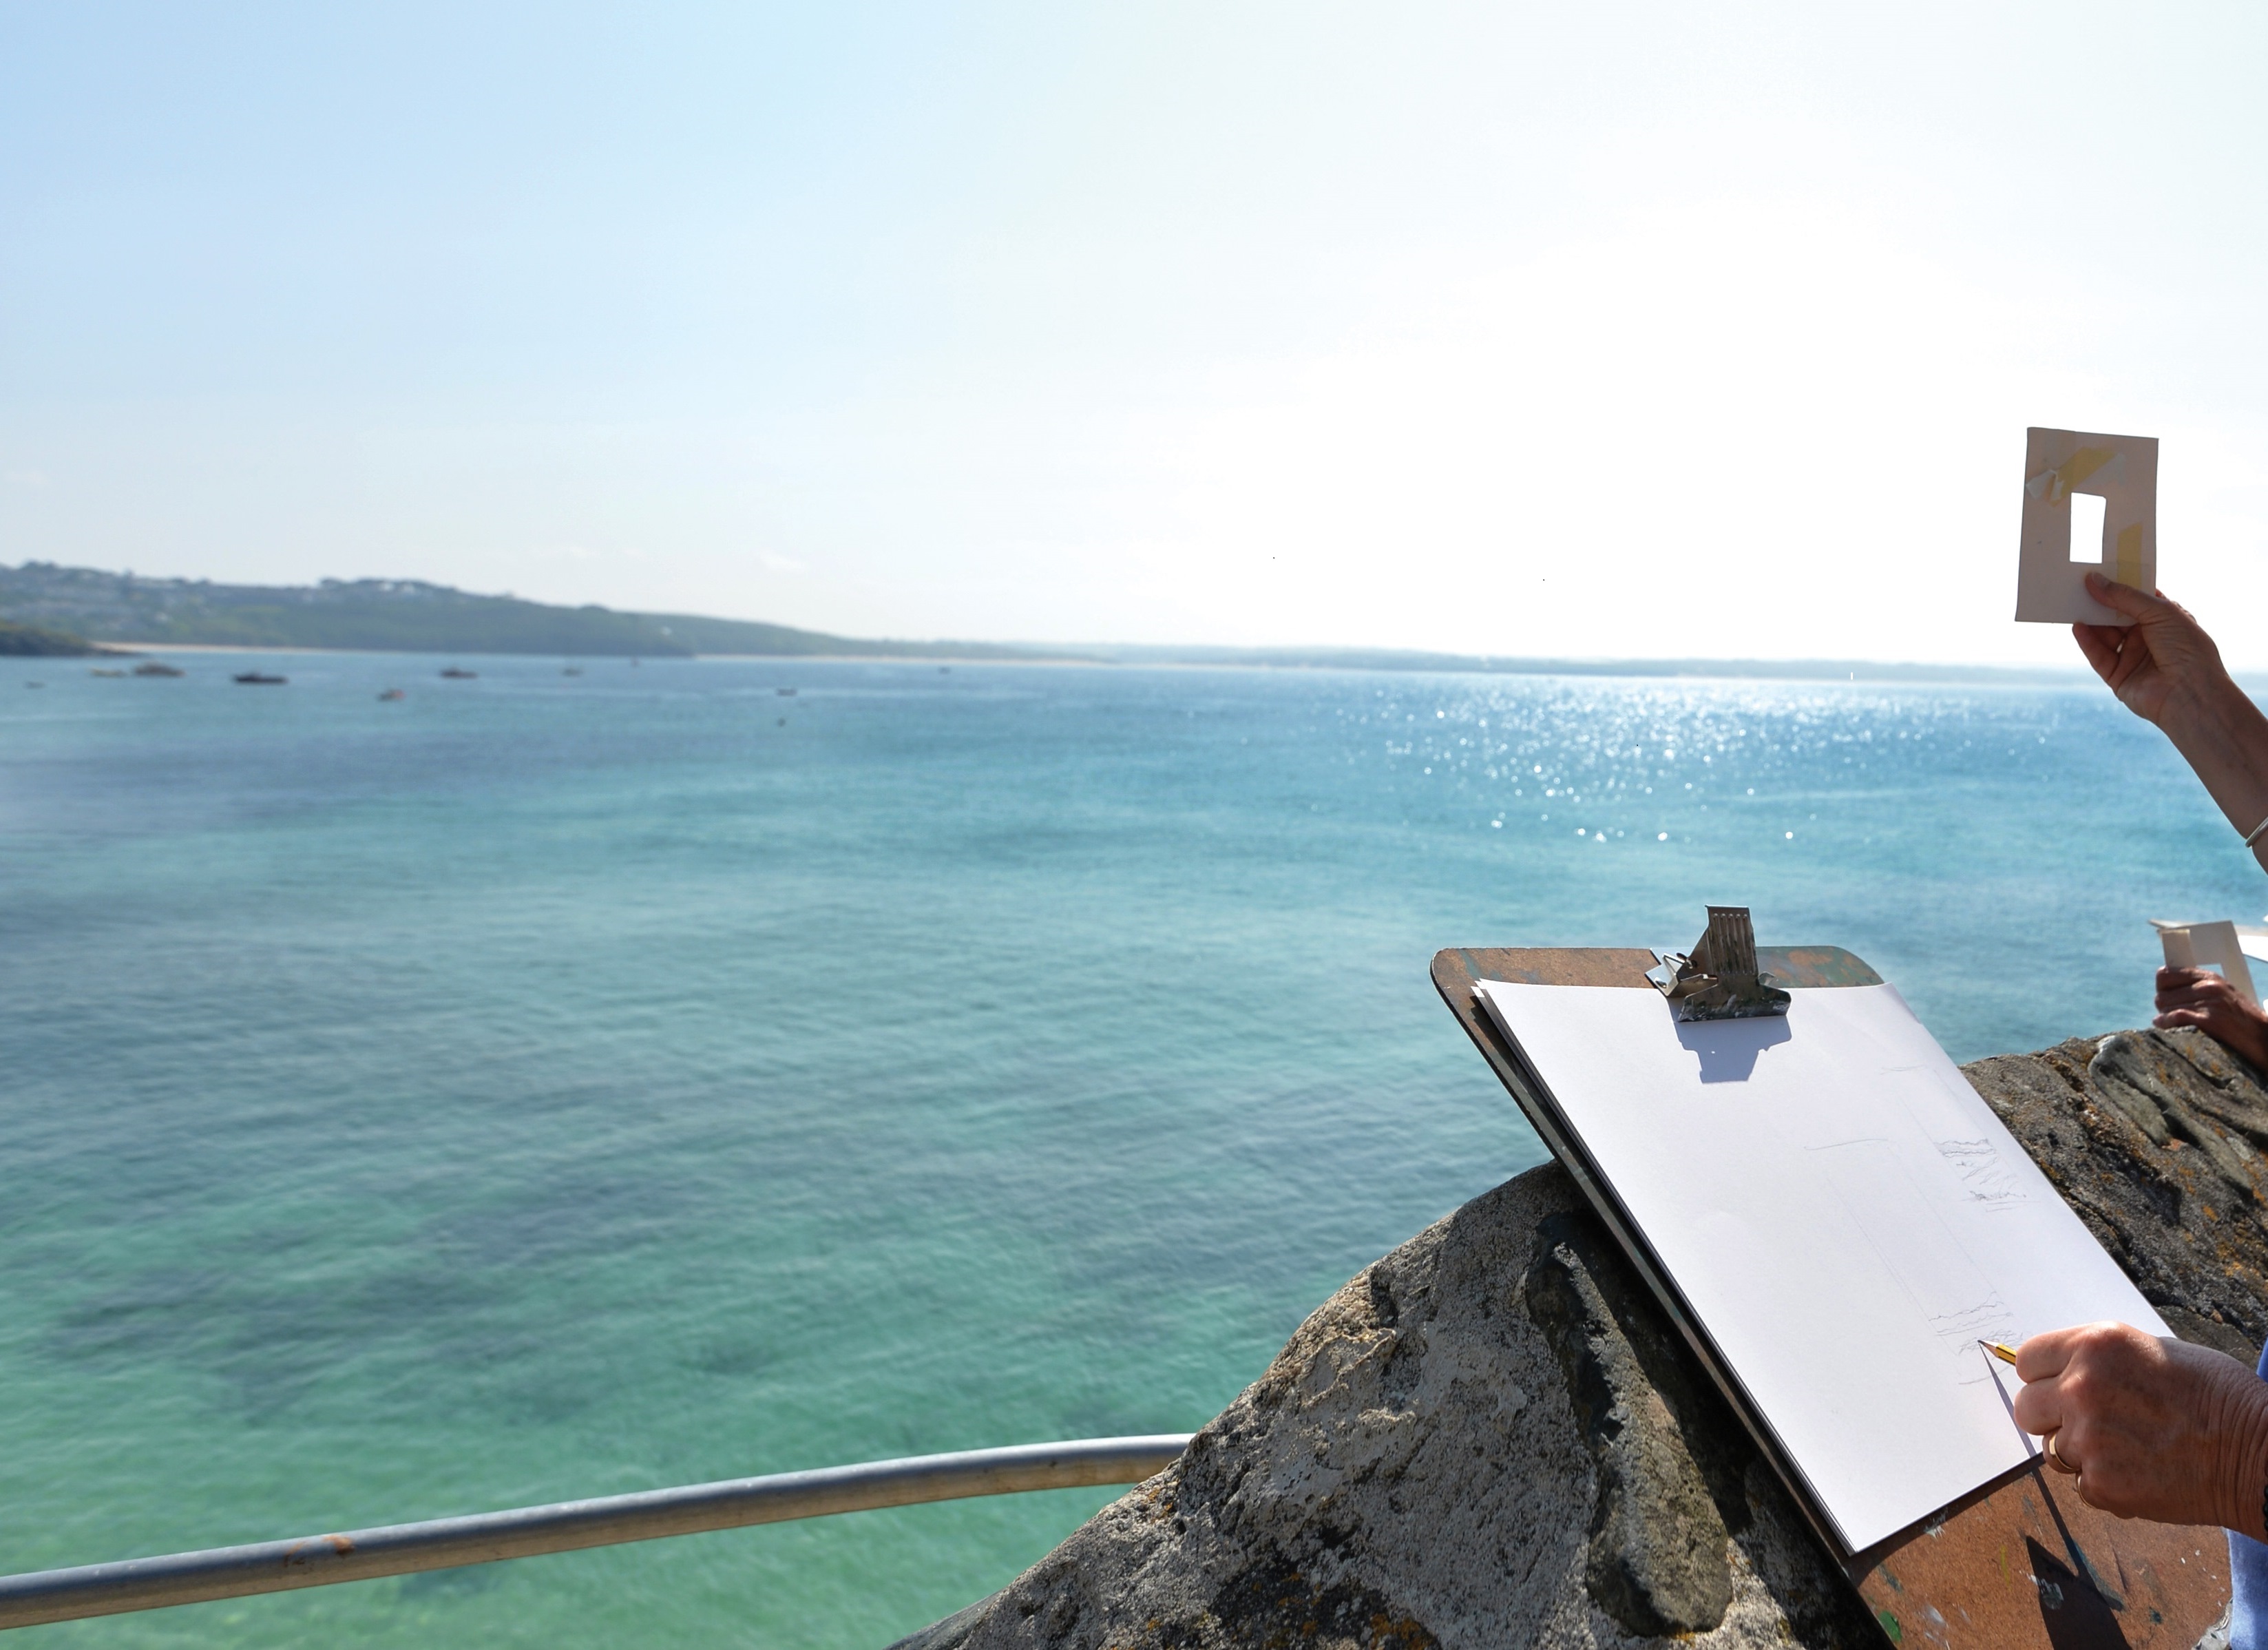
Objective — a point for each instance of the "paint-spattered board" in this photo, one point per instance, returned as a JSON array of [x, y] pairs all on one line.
[[2021, 1564]]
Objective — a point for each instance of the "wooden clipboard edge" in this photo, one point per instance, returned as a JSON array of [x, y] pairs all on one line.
[[1455, 972], [1867, 1557]]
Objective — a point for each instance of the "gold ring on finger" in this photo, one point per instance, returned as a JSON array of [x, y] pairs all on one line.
[[2055, 1457]]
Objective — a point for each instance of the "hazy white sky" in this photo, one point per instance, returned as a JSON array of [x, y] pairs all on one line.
[[1618, 330]]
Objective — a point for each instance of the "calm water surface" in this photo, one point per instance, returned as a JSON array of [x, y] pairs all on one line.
[[548, 1087]]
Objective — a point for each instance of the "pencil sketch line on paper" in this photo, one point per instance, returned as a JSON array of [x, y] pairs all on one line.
[[1988, 1320], [1985, 1176], [1947, 1290]]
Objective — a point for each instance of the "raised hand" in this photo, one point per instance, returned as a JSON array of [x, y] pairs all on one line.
[[2165, 669]]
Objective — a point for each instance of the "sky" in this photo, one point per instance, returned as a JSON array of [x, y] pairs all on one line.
[[1612, 331]]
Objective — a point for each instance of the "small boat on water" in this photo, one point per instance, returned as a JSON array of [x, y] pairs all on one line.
[[454, 674], [255, 679], [392, 693], [784, 692], [573, 670], [106, 672], [151, 668]]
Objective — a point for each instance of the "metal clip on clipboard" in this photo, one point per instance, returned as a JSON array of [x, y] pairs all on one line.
[[1719, 980]]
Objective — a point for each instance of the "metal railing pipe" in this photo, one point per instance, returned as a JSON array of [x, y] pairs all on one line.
[[442, 1543]]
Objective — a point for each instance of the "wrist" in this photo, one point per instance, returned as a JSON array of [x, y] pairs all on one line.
[[2209, 702], [2224, 737], [2243, 1475]]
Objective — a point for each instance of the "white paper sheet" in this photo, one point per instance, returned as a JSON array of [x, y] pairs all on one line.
[[2122, 472], [1843, 1215]]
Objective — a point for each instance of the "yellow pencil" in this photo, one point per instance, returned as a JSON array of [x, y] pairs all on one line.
[[2006, 1354]]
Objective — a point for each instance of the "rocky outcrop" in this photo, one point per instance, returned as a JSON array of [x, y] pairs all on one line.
[[1492, 1436], [2156, 1139]]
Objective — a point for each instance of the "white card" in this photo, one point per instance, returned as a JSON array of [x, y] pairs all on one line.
[[2208, 946], [2051, 570]]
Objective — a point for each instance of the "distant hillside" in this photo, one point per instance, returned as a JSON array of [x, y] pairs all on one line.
[[403, 615], [697, 635]]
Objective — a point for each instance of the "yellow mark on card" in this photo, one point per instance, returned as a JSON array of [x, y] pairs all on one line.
[[2130, 556], [2082, 464]]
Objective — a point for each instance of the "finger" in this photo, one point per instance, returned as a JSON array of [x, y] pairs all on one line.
[[2174, 1018], [2133, 654], [2042, 1357], [2101, 653], [2185, 1004], [2135, 604], [2177, 606], [2191, 978], [2109, 649], [2038, 1407], [2218, 995], [2195, 997]]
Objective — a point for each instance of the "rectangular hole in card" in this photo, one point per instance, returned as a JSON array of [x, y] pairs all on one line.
[[2086, 528]]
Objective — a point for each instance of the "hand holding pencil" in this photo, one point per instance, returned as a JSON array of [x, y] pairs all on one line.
[[2147, 1428]]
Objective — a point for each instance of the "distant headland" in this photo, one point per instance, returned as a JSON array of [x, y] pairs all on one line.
[[82, 605], [37, 641], [50, 609]]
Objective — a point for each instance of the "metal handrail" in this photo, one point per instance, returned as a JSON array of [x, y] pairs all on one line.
[[441, 1544]]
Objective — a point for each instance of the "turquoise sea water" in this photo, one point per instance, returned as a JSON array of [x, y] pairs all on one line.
[[547, 1086]]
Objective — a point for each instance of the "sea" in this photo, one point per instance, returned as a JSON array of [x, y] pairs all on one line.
[[570, 1080]]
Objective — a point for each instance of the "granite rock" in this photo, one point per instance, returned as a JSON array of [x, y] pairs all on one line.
[[1493, 1437]]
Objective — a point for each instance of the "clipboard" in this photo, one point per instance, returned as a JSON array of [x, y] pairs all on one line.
[[2021, 1563]]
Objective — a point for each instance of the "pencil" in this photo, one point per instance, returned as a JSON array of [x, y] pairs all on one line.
[[2006, 1354]]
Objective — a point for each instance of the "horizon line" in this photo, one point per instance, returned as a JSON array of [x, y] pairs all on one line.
[[1342, 656]]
